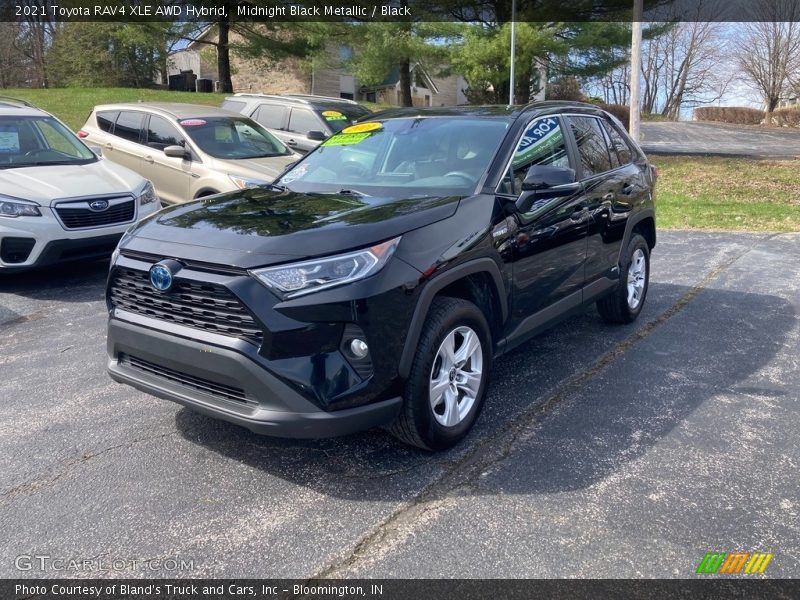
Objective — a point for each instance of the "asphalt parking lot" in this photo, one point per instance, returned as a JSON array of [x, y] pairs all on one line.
[[720, 139], [602, 451]]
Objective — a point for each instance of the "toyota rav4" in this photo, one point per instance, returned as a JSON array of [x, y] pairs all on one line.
[[375, 281]]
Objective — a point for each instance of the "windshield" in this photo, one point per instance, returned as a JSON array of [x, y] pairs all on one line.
[[39, 141], [339, 117], [233, 138], [402, 157]]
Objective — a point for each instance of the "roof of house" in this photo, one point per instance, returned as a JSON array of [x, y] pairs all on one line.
[[393, 78]]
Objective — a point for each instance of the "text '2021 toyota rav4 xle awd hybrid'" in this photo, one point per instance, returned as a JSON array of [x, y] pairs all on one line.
[[375, 281]]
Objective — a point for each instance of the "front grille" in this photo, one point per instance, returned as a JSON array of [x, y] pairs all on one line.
[[78, 215], [205, 306], [218, 390]]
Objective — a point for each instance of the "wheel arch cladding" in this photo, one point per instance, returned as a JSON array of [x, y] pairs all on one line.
[[478, 281], [646, 226]]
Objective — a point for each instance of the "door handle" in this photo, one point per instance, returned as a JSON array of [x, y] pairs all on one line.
[[149, 159], [108, 146], [627, 189], [291, 143]]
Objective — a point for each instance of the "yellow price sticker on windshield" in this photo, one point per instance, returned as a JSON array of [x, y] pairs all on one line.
[[333, 115], [362, 128]]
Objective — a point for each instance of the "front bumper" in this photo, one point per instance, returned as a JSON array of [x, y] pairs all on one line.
[[224, 383], [46, 242]]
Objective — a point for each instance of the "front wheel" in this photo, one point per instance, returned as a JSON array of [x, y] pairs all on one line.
[[448, 379], [625, 304]]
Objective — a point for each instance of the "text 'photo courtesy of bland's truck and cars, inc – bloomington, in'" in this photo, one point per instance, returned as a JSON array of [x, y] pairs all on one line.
[[441, 300]]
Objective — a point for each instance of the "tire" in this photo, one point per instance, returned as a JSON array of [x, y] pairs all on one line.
[[625, 304], [440, 425]]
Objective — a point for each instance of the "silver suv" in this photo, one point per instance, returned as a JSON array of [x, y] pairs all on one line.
[[187, 151], [300, 121], [59, 201]]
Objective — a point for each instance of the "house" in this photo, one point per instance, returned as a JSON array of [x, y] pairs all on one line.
[[325, 76]]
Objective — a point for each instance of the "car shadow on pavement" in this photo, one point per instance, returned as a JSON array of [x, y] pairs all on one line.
[[716, 343], [70, 282]]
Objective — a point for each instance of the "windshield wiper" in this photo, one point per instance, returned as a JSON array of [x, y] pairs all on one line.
[[350, 192], [44, 163], [277, 186]]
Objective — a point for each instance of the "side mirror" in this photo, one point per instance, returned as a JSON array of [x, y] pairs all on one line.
[[541, 177], [176, 152], [546, 181], [316, 136], [98, 151]]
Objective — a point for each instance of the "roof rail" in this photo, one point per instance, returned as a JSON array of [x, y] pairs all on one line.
[[259, 95], [301, 98], [17, 101], [318, 97]]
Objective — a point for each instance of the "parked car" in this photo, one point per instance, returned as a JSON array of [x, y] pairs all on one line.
[[300, 121], [58, 200], [377, 280], [187, 151]]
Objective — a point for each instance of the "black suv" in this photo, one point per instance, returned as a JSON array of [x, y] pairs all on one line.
[[301, 121], [375, 282]]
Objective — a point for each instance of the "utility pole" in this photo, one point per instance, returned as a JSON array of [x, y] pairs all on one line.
[[636, 67], [513, 50]]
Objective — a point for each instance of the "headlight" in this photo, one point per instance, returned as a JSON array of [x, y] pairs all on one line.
[[18, 208], [321, 273], [115, 254], [246, 182], [148, 195]]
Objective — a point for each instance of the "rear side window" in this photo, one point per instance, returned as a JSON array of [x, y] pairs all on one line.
[[618, 145], [270, 116], [105, 120], [541, 144], [234, 105], [161, 133], [592, 147], [129, 125], [302, 121]]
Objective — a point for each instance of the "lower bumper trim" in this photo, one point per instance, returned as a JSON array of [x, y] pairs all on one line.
[[307, 425]]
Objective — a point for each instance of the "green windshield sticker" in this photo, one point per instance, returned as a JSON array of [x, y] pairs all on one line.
[[346, 139]]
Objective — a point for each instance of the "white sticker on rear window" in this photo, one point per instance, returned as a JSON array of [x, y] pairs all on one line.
[[9, 140], [193, 122]]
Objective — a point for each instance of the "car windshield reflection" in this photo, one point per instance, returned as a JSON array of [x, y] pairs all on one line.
[[434, 155]]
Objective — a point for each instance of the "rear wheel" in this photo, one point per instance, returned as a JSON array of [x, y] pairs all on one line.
[[625, 304], [447, 384]]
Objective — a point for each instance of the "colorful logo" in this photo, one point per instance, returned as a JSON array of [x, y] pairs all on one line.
[[734, 563]]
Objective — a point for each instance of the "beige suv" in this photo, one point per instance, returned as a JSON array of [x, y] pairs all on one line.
[[188, 151]]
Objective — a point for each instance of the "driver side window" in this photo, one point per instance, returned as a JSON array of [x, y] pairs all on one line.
[[541, 144]]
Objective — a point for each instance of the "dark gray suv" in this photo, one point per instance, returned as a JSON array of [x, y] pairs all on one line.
[[299, 121]]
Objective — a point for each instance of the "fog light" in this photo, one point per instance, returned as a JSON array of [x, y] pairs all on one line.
[[359, 348]]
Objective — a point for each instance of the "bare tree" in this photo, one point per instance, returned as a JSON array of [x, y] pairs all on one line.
[[690, 65], [768, 52], [13, 64]]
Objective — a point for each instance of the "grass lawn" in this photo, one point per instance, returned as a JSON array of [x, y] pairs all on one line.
[[72, 105], [727, 193]]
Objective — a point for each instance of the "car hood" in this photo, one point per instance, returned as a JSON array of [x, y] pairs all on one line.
[[47, 183], [257, 168], [259, 227]]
